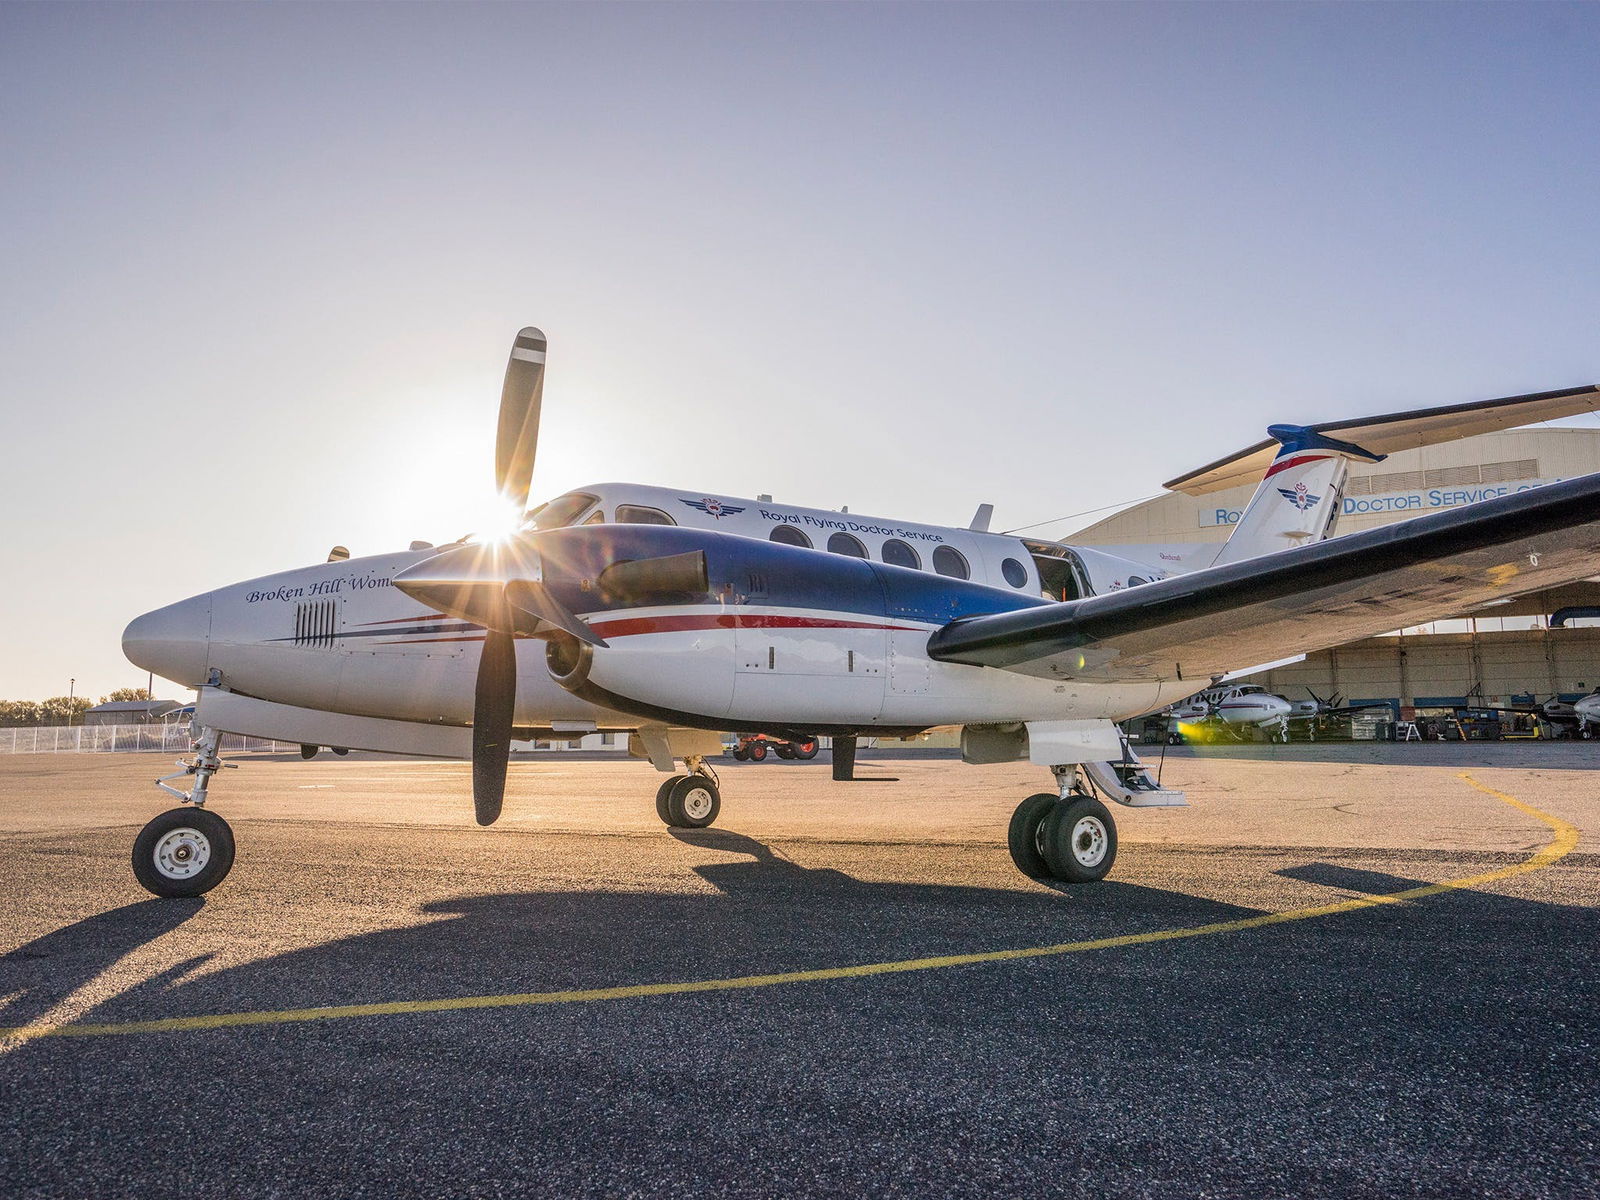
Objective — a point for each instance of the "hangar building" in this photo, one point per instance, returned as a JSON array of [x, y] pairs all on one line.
[[1537, 645]]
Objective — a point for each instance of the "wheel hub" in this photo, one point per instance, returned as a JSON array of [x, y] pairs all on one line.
[[182, 853], [1089, 841], [697, 803]]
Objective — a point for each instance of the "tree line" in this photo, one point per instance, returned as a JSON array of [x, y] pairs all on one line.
[[60, 710]]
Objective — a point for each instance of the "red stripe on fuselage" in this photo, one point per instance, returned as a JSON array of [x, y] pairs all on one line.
[[1283, 464], [628, 626], [407, 620]]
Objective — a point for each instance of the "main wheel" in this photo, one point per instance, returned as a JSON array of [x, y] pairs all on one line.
[[662, 793], [1079, 840], [805, 751], [1023, 836], [693, 802], [183, 852]]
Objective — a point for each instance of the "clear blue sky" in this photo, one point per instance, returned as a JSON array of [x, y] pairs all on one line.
[[262, 264]]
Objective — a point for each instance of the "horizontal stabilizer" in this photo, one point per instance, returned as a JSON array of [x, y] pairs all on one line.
[[1398, 431], [1208, 622]]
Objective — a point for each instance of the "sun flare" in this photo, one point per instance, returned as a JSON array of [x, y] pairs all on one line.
[[498, 522]]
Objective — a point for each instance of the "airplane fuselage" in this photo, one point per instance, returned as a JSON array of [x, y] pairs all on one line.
[[784, 638]]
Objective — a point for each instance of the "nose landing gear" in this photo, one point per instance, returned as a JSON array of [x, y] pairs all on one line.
[[187, 851]]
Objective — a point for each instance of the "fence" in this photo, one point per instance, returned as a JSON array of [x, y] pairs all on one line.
[[119, 739]]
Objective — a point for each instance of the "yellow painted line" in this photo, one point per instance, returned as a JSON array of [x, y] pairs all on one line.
[[1566, 837]]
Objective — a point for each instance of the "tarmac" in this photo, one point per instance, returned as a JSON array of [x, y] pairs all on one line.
[[1347, 970]]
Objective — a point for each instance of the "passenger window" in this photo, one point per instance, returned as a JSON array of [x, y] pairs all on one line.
[[897, 554], [843, 543], [599, 517], [1016, 574], [638, 514], [947, 560], [789, 535]]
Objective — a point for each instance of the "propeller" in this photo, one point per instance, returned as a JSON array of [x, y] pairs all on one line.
[[520, 399]]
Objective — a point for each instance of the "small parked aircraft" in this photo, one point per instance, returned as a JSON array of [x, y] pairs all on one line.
[[681, 616]]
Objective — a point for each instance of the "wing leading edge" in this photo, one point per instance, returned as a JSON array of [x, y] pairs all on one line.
[[1296, 601]]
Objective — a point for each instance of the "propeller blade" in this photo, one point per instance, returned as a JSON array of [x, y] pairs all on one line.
[[520, 398], [493, 704]]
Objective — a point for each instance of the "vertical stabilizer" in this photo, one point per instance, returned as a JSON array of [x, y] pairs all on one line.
[[1299, 497]]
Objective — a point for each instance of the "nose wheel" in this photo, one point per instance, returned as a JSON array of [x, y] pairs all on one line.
[[183, 852], [1070, 839]]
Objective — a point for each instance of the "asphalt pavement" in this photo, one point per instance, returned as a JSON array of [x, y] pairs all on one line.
[[580, 1003]]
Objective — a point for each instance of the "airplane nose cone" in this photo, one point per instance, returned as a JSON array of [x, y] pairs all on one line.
[[172, 641]]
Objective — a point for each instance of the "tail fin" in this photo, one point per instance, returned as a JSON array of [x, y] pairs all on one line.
[[1299, 498]]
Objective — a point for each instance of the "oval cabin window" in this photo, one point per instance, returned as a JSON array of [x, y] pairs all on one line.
[[1016, 574], [947, 560], [898, 554], [843, 543], [789, 535]]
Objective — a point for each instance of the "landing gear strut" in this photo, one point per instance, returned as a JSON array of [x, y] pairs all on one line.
[[690, 801], [187, 851], [1068, 836]]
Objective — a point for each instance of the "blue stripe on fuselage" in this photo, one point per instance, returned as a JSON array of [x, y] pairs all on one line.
[[746, 571]]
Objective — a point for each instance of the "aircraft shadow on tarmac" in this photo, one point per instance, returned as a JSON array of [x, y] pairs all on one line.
[[770, 915], [36, 976]]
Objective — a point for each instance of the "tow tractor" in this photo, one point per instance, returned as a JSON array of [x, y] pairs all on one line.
[[753, 748]]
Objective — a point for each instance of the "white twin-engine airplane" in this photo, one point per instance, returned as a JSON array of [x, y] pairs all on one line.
[[678, 616]]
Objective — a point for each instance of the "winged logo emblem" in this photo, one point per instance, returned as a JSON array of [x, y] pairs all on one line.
[[715, 508], [1300, 497]]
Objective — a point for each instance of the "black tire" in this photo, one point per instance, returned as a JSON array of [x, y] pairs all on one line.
[[341, 751], [309, 752], [805, 751], [783, 750], [1023, 836], [1079, 840], [758, 752], [741, 754], [183, 852], [662, 793], [693, 802]]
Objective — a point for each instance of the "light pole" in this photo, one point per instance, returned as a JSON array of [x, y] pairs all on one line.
[[72, 687]]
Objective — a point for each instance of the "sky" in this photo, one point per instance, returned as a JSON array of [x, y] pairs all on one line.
[[262, 264]]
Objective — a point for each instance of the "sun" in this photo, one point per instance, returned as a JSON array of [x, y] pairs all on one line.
[[499, 521]]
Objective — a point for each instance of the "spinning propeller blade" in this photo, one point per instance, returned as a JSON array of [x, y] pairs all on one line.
[[520, 398]]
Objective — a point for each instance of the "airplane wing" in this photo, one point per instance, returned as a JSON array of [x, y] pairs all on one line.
[[1398, 431], [1296, 601]]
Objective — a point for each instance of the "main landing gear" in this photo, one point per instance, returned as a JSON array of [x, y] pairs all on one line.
[[187, 851], [690, 801], [1067, 836]]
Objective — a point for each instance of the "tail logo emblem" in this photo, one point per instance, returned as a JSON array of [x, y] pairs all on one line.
[[1300, 498]]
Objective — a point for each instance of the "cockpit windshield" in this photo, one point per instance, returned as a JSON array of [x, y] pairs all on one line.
[[561, 512]]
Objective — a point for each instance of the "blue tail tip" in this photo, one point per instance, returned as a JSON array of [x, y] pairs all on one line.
[[1294, 438]]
